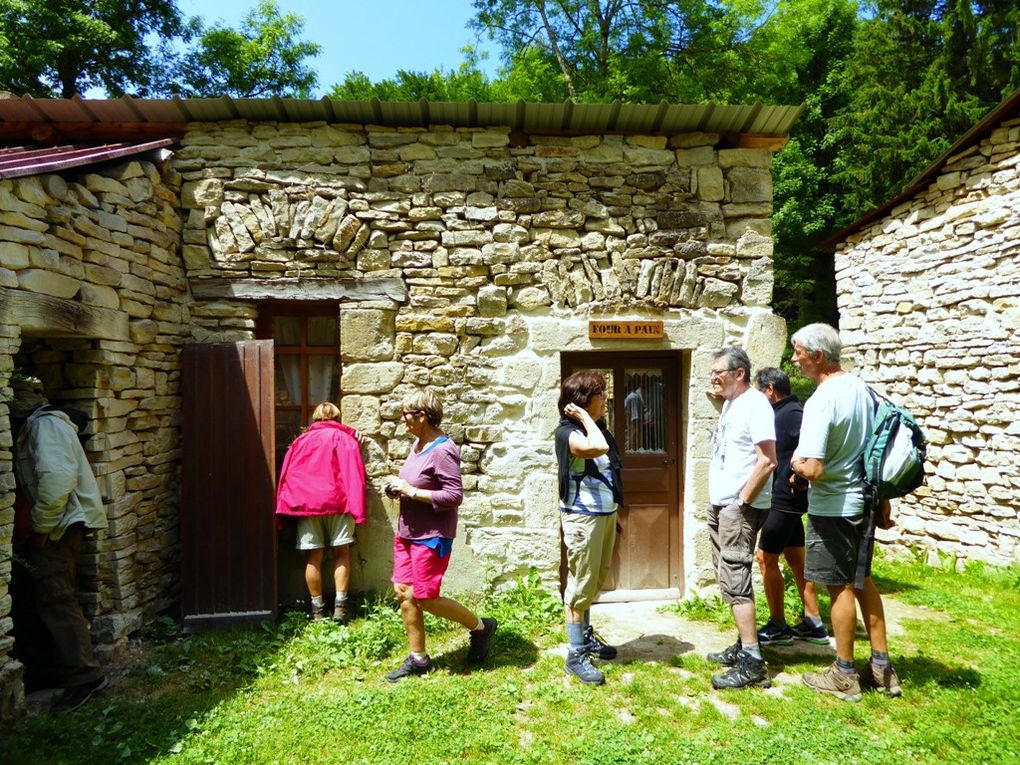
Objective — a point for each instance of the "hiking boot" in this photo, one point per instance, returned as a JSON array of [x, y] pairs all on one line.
[[480, 639], [775, 634], [747, 671], [76, 695], [727, 657], [341, 613], [596, 646], [884, 680], [317, 612], [805, 630], [835, 683], [579, 665], [409, 668]]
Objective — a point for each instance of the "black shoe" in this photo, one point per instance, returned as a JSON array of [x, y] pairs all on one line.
[[76, 695], [579, 665], [410, 668], [596, 646], [480, 639], [727, 657], [775, 634], [341, 613], [746, 672], [805, 630]]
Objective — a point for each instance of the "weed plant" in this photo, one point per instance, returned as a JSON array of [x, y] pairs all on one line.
[[309, 692]]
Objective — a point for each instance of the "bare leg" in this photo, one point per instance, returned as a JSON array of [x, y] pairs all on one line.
[[808, 595], [844, 619], [414, 619], [450, 609], [342, 567], [313, 572], [743, 615], [772, 578], [874, 615]]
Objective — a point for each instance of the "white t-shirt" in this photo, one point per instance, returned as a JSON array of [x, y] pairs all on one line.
[[745, 421], [837, 420]]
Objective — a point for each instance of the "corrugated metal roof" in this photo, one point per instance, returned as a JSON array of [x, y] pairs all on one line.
[[18, 161], [567, 116], [1009, 106]]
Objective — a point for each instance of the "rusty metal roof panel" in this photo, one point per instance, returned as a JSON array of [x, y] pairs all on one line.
[[20, 161]]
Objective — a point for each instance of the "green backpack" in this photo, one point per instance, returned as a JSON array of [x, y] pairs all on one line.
[[894, 453]]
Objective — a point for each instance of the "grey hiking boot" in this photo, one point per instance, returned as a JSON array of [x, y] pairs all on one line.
[[775, 634], [341, 612], [596, 646], [747, 671], [805, 630], [410, 668], [835, 683], [884, 680], [726, 657], [317, 612], [478, 650], [579, 665]]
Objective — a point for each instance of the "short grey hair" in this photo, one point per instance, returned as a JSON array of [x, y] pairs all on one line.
[[819, 337], [736, 358], [775, 377]]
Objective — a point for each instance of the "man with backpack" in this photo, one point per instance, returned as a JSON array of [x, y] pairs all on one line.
[[837, 425]]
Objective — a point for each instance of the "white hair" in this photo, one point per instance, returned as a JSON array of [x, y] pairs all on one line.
[[819, 337]]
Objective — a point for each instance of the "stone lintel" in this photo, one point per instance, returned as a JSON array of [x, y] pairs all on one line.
[[55, 317], [759, 141], [386, 288]]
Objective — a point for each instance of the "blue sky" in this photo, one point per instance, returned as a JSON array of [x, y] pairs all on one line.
[[377, 37]]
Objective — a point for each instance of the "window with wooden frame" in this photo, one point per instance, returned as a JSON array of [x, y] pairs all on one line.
[[306, 350]]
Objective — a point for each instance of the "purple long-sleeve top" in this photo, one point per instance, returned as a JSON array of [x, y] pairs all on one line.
[[436, 469]]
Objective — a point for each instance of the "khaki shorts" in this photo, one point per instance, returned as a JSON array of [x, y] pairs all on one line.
[[319, 531], [589, 540], [733, 533]]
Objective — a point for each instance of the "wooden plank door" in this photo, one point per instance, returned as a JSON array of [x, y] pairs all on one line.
[[228, 539], [644, 417]]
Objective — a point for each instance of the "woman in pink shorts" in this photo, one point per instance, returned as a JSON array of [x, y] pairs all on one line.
[[430, 491]]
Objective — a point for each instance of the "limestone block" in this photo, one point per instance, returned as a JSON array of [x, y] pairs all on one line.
[[610, 150], [207, 192], [710, 184], [552, 335], [492, 301], [745, 158], [749, 185], [48, 283], [640, 156], [8, 278], [377, 377], [435, 343], [494, 138], [716, 293], [14, 255], [530, 298], [361, 412], [757, 286], [366, 334]]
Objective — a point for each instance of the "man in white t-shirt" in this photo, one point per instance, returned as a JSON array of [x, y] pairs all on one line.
[[837, 421], [740, 491]]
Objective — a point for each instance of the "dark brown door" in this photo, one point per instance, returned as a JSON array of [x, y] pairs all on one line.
[[228, 544], [644, 417]]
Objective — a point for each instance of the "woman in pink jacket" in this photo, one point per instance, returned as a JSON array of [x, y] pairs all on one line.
[[323, 484]]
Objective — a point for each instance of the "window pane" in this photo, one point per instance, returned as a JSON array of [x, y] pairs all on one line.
[[287, 330], [288, 380], [323, 331], [323, 379], [645, 411], [288, 427]]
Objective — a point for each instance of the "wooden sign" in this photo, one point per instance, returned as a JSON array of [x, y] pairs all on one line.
[[625, 330]]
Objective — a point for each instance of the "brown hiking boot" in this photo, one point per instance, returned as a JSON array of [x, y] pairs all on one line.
[[884, 680], [835, 683]]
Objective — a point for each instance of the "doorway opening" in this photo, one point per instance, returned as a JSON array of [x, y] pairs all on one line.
[[645, 405]]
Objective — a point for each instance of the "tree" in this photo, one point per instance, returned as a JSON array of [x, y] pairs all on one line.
[[264, 57], [465, 82], [64, 47]]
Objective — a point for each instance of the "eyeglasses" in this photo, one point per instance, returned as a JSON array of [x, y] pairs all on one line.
[[720, 372]]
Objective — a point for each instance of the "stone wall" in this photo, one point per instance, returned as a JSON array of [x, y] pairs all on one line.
[[505, 244], [929, 302], [92, 291]]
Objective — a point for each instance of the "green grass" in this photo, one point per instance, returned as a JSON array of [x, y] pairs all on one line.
[[314, 692]]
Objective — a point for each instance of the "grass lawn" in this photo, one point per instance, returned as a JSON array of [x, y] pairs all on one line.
[[314, 692]]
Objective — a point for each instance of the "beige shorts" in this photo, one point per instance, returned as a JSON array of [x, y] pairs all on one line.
[[319, 531], [589, 540], [733, 533]]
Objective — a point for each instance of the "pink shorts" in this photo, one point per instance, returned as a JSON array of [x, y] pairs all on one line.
[[419, 566]]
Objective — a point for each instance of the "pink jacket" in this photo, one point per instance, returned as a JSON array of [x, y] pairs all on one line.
[[323, 474]]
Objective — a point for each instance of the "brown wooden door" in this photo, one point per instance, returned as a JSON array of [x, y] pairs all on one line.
[[228, 543], [644, 416]]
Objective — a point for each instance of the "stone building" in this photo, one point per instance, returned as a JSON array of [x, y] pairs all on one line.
[[929, 298], [198, 296]]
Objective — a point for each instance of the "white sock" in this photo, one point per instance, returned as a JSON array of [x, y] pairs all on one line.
[[341, 597], [420, 656], [317, 601], [480, 626]]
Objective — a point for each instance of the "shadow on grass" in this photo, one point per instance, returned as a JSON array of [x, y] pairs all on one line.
[[652, 648], [889, 586], [920, 671], [509, 648]]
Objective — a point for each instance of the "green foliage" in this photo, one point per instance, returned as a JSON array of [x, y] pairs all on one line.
[[63, 47], [465, 82], [264, 57]]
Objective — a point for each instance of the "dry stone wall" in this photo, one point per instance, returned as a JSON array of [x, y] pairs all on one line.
[[92, 292], [929, 300], [506, 243]]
